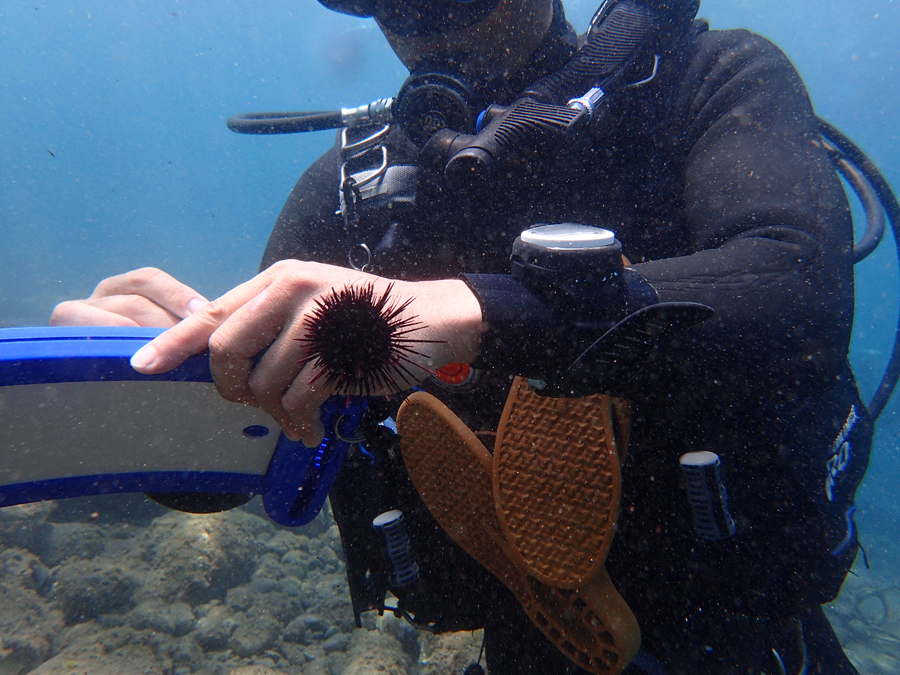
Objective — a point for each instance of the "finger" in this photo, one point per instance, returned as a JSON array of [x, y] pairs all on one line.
[[191, 336], [263, 325], [253, 329], [79, 313], [275, 372], [257, 324], [301, 403], [154, 284], [142, 311]]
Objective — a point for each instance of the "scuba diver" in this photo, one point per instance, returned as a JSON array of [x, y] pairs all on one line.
[[682, 270]]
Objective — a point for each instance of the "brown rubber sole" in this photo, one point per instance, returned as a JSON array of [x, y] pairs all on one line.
[[556, 484], [539, 514]]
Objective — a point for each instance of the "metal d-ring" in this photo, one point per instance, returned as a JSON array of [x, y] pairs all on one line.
[[346, 439], [365, 265]]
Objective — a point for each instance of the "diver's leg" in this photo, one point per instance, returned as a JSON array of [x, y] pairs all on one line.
[[514, 646], [824, 653]]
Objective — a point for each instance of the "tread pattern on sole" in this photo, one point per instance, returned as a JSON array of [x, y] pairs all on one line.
[[557, 483], [451, 470], [453, 473]]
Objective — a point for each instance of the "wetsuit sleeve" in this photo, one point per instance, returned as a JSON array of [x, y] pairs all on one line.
[[768, 226], [308, 228], [767, 234]]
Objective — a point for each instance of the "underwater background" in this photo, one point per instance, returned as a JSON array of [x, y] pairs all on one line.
[[114, 155]]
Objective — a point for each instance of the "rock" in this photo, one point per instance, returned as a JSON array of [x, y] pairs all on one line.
[[406, 635], [282, 542], [449, 652], [283, 607], [214, 630], [174, 619], [320, 667], [185, 654], [134, 663], [84, 589], [307, 629], [331, 561], [110, 509], [20, 568], [54, 542], [295, 654], [254, 635], [866, 618], [302, 561], [41, 577], [336, 643], [375, 653], [87, 649], [295, 631], [176, 593], [18, 524], [196, 558], [26, 515], [28, 623], [268, 566], [331, 598], [332, 537], [17, 657], [291, 587], [239, 598], [255, 670]]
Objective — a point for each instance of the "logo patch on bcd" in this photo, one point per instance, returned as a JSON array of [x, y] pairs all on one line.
[[841, 453]]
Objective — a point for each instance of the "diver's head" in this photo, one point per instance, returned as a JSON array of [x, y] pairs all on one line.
[[464, 55], [481, 39]]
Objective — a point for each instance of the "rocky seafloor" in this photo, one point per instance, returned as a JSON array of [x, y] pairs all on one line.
[[119, 585], [866, 616], [122, 586]]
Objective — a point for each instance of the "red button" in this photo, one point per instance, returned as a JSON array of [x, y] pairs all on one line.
[[454, 373]]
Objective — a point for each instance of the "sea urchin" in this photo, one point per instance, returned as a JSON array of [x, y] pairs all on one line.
[[360, 341]]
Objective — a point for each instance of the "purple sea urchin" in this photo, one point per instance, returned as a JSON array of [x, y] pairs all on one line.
[[360, 341]]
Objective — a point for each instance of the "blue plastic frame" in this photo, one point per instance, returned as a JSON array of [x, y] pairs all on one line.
[[294, 487]]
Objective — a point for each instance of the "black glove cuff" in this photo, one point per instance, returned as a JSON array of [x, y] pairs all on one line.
[[518, 328], [523, 335]]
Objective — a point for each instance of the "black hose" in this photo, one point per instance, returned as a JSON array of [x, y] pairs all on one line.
[[892, 209], [609, 51], [875, 220], [285, 122], [616, 39]]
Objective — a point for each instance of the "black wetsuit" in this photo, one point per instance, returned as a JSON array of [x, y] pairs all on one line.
[[713, 178]]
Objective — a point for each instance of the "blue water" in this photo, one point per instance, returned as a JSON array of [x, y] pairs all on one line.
[[131, 100]]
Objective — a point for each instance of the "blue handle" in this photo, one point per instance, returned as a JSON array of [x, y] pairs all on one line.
[[299, 478]]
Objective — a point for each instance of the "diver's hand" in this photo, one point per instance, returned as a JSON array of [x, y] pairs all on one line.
[[147, 297], [270, 313]]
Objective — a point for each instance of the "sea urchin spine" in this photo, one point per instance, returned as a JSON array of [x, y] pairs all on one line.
[[360, 341]]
